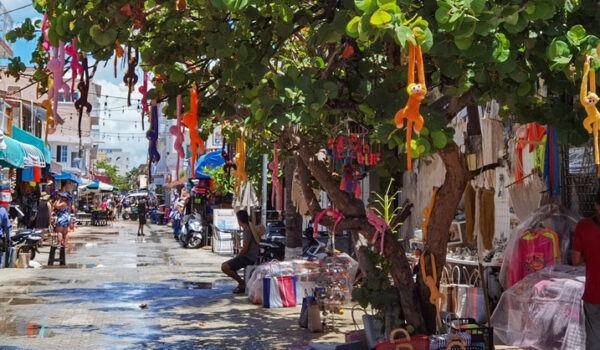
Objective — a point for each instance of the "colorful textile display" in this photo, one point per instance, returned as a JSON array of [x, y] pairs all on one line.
[[380, 225], [240, 164], [536, 249], [331, 212], [589, 99], [416, 94], [277, 187], [191, 121], [530, 135], [175, 130], [56, 65], [152, 136], [551, 174], [76, 68]]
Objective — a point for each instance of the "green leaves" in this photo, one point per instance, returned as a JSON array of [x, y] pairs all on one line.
[[365, 5], [576, 34], [559, 53], [379, 18], [352, 27], [231, 5], [501, 48]]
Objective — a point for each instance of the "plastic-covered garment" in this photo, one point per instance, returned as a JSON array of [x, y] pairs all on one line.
[[552, 217], [544, 310]]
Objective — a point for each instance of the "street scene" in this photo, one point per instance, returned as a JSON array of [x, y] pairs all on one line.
[[299, 175]]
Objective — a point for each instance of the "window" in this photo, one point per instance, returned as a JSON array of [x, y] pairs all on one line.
[[75, 160], [67, 97], [61, 153]]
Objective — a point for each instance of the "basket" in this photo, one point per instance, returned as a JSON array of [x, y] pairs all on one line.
[[479, 334]]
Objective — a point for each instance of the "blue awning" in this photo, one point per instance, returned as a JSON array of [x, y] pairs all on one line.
[[24, 137], [211, 159], [12, 156], [67, 176]]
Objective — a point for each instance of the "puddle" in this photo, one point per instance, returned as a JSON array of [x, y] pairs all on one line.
[[142, 264], [73, 266], [29, 283], [21, 328], [194, 285], [73, 282], [26, 301]]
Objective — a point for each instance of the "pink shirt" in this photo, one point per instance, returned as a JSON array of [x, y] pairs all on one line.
[[530, 255]]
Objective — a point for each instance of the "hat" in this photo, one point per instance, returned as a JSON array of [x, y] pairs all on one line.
[[44, 196]]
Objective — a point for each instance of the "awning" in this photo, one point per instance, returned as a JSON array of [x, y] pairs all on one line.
[[213, 159], [55, 168], [174, 184], [101, 186], [26, 138], [67, 176], [21, 155]]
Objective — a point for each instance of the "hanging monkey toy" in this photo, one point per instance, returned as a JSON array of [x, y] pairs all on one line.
[[152, 136], [588, 100], [56, 65], [84, 87], [416, 94], [130, 78], [191, 121]]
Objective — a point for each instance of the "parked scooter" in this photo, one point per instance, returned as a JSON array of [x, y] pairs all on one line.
[[192, 232], [26, 241], [130, 213], [311, 246]]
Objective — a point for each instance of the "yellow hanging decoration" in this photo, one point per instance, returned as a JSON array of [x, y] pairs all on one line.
[[47, 104], [240, 164], [427, 213], [435, 297], [588, 99]]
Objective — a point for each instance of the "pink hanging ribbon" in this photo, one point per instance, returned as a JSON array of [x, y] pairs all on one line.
[[46, 42], [143, 90], [380, 226], [331, 212]]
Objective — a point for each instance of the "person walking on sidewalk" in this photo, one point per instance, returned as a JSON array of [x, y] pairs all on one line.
[[44, 213], [248, 255], [586, 246], [142, 211]]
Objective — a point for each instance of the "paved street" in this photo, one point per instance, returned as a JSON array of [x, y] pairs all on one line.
[[119, 291]]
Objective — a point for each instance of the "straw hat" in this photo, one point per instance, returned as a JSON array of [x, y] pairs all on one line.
[[44, 196]]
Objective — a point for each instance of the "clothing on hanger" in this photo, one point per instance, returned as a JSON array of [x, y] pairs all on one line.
[[487, 217], [535, 250]]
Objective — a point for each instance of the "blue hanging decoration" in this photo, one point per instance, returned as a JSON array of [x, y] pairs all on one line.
[[551, 174], [152, 136]]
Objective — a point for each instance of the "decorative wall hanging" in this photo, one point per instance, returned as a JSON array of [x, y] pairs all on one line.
[[84, 87], [416, 94], [76, 68], [119, 52], [277, 188], [152, 136], [175, 130], [191, 121], [56, 65], [588, 99], [130, 78]]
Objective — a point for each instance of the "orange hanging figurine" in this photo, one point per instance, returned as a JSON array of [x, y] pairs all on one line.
[[416, 94], [190, 120], [588, 99]]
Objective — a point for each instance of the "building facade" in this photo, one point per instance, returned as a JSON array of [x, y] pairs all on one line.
[[116, 157]]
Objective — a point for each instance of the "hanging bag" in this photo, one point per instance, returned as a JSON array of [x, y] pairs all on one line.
[[395, 344], [472, 302], [357, 334], [460, 287], [303, 320], [447, 289], [279, 290]]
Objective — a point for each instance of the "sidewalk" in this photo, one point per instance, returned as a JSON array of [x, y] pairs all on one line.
[[119, 291]]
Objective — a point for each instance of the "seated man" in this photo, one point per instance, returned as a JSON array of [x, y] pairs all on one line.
[[247, 256]]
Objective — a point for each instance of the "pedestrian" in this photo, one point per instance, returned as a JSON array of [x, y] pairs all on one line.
[[177, 215], [103, 204], [44, 213], [142, 211], [5, 225], [586, 245], [63, 219], [248, 255]]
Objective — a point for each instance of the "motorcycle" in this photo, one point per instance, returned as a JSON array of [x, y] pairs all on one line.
[[192, 233], [272, 244], [130, 213], [25, 241], [311, 246]]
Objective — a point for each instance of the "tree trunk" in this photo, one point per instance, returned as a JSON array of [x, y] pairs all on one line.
[[443, 212], [293, 220]]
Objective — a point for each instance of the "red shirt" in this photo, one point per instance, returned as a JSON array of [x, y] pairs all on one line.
[[587, 242]]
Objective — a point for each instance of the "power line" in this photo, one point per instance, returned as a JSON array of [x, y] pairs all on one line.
[[17, 9]]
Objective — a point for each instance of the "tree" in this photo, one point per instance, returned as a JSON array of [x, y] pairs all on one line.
[[289, 71], [112, 172]]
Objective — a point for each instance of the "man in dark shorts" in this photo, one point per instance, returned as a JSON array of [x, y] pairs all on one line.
[[142, 210], [248, 255], [586, 248]]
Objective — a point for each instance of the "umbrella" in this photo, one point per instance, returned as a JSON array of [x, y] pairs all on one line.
[[213, 159], [247, 199]]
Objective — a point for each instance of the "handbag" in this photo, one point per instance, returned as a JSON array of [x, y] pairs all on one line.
[[447, 289], [472, 302], [357, 335], [460, 288], [279, 290], [303, 320], [394, 344]]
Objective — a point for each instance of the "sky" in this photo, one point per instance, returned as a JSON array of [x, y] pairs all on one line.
[[120, 119]]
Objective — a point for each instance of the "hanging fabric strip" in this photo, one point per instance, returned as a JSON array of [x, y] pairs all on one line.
[[551, 175]]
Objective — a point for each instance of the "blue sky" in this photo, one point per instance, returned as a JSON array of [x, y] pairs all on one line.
[[104, 77]]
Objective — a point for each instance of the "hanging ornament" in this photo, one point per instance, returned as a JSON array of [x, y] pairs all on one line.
[[152, 136], [336, 215], [277, 189], [76, 68], [143, 90], [240, 164], [130, 78], [56, 66], [191, 121], [84, 88], [46, 42], [416, 94], [175, 130], [119, 52]]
